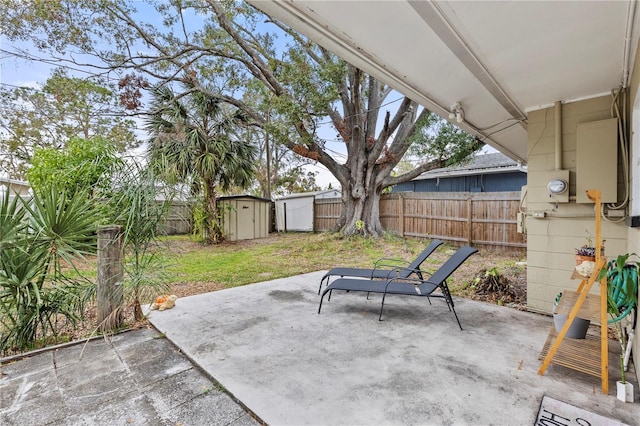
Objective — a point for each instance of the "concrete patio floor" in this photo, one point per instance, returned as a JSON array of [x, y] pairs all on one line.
[[133, 378], [267, 345]]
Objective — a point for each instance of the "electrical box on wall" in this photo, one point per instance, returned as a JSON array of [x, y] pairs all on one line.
[[521, 227], [597, 160], [556, 184]]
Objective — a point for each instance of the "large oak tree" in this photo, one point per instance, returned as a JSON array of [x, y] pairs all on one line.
[[283, 82]]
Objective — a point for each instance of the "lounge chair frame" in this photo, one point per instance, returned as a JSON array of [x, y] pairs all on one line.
[[408, 286], [385, 268]]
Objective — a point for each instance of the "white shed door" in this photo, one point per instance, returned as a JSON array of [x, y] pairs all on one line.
[[246, 220]]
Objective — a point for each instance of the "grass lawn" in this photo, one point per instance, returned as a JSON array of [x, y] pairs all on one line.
[[193, 268], [233, 264]]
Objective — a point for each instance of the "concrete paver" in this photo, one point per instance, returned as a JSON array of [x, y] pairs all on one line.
[[134, 378]]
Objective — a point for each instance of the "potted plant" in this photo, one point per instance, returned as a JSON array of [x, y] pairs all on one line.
[[585, 253], [622, 289], [588, 252]]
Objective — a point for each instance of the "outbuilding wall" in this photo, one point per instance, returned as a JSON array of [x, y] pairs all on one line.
[[245, 218], [633, 233], [295, 214]]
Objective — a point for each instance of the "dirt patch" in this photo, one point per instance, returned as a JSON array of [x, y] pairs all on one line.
[[190, 288], [507, 274], [492, 286]]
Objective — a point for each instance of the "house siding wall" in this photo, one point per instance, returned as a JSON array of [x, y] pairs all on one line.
[[14, 188], [633, 234], [500, 182], [551, 241]]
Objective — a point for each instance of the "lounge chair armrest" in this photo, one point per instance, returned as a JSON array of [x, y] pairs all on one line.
[[389, 262], [395, 271], [417, 281], [408, 280]]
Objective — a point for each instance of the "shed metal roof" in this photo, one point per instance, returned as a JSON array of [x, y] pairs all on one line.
[[236, 197], [307, 194]]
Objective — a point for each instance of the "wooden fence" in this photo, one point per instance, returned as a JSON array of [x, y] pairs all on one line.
[[481, 219], [178, 220]]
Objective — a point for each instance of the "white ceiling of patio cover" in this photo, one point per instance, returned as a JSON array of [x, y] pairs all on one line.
[[498, 59]]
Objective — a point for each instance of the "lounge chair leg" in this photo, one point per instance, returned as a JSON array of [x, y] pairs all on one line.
[[382, 307], [330, 292], [447, 298], [447, 295], [457, 319], [326, 277], [320, 307]]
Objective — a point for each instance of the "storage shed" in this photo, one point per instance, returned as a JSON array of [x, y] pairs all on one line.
[[295, 212], [245, 217]]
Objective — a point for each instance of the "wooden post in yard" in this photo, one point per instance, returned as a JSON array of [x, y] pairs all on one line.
[[470, 220], [401, 214], [110, 272]]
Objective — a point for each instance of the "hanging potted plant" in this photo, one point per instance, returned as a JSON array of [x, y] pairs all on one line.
[[622, 290]]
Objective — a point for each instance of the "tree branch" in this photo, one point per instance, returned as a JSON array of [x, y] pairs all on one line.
[[265, 73]]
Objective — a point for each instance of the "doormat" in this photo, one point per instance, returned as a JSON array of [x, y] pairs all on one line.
[[557, 413]]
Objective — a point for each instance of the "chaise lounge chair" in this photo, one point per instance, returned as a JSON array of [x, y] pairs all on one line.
[[409, 286], [381, 267]]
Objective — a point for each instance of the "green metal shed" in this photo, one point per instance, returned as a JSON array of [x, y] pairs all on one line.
[[245, 217]]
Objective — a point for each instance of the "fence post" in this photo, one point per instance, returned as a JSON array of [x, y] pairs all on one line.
[[401, 215], [469, 220], [110, 272]]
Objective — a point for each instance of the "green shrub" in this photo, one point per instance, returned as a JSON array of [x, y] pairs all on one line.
[[39, 237]]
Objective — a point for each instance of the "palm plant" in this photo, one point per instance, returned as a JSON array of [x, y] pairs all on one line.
[[40, 237], [194, 139], [137, 209]]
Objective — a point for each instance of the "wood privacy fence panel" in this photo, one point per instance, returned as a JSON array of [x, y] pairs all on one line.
[[326, 212], [481, 219], [178, 220]]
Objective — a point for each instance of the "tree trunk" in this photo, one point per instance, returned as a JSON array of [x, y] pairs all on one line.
[[213, 230], [361, 214], [137, 311]]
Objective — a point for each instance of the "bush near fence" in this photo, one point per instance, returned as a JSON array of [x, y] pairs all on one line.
[[483, 219]]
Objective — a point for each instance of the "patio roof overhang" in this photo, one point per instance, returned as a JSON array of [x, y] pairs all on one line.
[[498, 59]]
